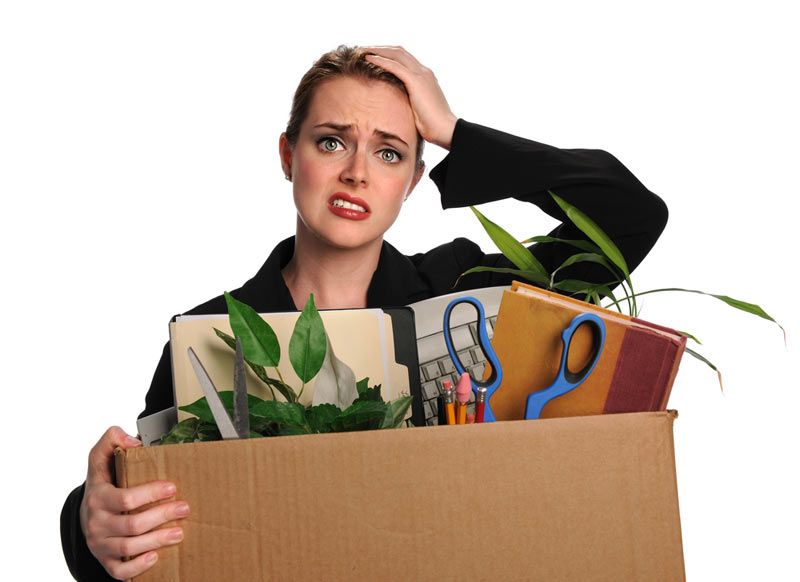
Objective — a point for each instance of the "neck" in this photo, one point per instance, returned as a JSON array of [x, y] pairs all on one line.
[[338, 278]]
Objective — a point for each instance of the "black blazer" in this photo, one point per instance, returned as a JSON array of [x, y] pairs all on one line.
[[483, 165]]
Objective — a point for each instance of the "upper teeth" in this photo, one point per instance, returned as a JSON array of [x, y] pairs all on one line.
[[339, 203]]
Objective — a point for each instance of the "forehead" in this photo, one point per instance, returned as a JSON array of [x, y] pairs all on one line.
[[366, 104]]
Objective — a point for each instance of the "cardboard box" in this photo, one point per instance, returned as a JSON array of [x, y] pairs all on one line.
[[588, 498]]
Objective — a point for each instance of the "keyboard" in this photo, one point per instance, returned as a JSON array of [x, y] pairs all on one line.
[[435, 364]]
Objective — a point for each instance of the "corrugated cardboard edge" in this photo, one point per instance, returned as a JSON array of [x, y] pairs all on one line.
[[518, 547]]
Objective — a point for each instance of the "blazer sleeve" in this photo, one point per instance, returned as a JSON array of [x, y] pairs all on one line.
[[485, 165]]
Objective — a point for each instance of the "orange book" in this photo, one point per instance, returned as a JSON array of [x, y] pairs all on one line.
[[634, 373]]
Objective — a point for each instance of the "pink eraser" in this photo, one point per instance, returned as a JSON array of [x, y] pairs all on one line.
[[463, 388]]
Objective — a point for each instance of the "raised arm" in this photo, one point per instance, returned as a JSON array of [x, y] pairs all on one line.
[[485, 165]]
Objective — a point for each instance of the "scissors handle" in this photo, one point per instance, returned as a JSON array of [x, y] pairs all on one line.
[[493, 382], [566, 379]]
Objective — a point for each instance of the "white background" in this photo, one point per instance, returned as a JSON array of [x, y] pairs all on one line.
[[139, 176]]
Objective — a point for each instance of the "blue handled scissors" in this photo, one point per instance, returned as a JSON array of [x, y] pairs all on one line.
[[566, 379], [493, 382]]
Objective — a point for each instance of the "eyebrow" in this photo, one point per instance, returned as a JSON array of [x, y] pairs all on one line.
[[344, 127]]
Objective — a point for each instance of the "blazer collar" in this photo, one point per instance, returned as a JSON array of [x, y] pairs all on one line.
[[395, 282]]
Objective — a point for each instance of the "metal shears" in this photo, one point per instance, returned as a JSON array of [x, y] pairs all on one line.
[[567, 380], [493, 382], [239, 427]]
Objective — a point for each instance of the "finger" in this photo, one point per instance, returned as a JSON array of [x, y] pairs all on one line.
[[127, 570], [102, 454], [397, 53], [136, 545], [131, 498], [136, 524], [397, 68]]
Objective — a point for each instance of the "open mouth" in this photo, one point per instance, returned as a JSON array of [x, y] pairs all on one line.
[[346, 206]]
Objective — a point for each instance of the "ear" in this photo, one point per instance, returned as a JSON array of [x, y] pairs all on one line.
[[415, 180], [285, 150]]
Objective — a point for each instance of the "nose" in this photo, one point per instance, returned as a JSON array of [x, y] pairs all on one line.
[[354, 172]]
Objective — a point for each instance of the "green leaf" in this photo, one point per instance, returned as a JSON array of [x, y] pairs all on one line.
[[690, 336], [259, 342], [283, 413], [370, 394], [585, 258], [599, 237], [362, 385], [751, 308], [594, 232], [396, 412], [321, 416], [201, 409], [533, 276], [576, 286], [308, 343], [190, 430], [286, 391], [362, 415], [709, 364], [584, 245], [510, 247]]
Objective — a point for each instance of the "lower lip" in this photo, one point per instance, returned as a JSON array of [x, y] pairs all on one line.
[[347, 213]]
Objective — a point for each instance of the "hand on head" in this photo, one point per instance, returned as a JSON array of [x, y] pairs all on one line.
[[113, 535], [434, 119]]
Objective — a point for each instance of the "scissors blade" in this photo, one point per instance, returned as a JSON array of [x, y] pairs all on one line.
[[224, 424], [241, 416]]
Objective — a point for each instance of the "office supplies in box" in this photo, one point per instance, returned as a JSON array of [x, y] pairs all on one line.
[[585, 498], [374, 343], [634, 373]]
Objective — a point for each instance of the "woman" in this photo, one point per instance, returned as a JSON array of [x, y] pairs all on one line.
[[353, 152]]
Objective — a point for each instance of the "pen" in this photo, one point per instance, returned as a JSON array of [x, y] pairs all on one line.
[[480, 403], [462, 396], [449, 398]]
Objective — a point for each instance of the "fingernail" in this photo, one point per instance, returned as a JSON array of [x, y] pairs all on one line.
[[170, 489], [182, 510], [151, 557], [132, 442], [175, 535]]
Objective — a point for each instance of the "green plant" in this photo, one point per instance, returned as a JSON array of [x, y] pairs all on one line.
[[309, 352], [599, 249]]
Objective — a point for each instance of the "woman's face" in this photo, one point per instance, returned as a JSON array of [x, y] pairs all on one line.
[[354, 161]]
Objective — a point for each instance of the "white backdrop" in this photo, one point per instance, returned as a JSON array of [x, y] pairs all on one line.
[[139, 176]]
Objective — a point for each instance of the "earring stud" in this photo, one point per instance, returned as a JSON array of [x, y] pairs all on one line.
[[288, 177]]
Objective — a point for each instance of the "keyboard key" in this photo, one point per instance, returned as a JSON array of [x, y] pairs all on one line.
[[477, 371], [466, 358], [477, 355], [473, 329], [431, 348], [431, 371], [429, 410], [430, 390], [447, 366], [462, 338]]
